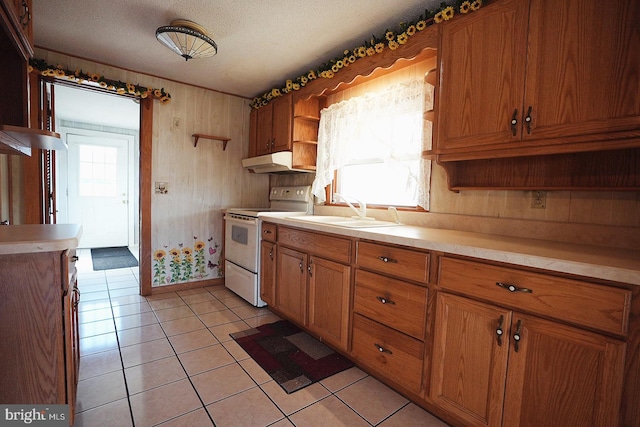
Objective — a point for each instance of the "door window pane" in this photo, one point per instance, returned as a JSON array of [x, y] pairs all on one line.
[[98, 171]]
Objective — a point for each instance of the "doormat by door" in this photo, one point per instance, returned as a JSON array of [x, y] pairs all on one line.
[[110, 258], [293, 358]]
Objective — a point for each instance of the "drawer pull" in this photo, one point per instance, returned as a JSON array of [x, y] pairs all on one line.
[[266, 231], [385, 301], [381, 349], [513, 288], [517, 337], [499, 331], [387, 259]]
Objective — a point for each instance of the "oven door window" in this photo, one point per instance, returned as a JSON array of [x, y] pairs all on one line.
[[240, 234]]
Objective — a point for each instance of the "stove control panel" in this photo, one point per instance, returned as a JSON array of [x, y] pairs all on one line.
[[300, 193]]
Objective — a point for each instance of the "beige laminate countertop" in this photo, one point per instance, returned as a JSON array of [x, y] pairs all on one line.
[[31, 238], [618, 265]]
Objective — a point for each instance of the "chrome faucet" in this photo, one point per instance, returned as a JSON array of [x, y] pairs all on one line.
[[361, 213]]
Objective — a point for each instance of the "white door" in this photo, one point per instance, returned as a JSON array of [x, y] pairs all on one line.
[[98, 189]]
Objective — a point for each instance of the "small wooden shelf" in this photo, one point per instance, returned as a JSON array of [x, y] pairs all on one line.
[[309, 118], [197, 136], [305, 142]]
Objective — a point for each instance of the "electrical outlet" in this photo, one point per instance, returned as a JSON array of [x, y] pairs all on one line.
[[176, 123], [539, 200], [162, 187]]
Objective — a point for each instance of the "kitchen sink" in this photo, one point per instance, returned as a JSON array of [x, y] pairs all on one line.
[[343, 221]]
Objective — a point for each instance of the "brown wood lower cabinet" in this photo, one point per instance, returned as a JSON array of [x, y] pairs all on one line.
[[291, 289], [39, 332], [269, 251], [329, 300], [312, 284], [555, 374], [478, 343]]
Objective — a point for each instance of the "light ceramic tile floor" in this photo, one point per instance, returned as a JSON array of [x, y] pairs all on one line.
[[168, 360]]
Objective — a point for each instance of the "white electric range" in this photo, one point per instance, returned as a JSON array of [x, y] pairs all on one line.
[[243, 227]]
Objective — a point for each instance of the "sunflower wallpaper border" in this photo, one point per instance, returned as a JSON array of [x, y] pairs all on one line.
[[187, 262]]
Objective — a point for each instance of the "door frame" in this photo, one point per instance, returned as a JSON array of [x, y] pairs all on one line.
[[32, 183]]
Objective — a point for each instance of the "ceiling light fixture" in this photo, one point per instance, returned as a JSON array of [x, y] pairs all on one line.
[[187, 39]]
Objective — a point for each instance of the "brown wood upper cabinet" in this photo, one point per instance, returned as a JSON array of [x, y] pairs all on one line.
[[531, 77], [17, 16], [273, 126]]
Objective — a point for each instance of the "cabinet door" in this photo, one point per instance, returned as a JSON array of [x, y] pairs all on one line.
[[72, 344], [264, 132], [329, 300], [282, 124], [470, 359], [268, 272], [562, 376], [582, 68], [482, 60], [291, 292], [253, 133]]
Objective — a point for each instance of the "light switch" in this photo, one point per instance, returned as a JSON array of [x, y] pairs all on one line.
[[162, 187]]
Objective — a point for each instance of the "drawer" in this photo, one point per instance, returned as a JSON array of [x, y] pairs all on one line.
[[269, 231], [399, 305], [404, 263], [390, 353], [591, 305], [327, 246]]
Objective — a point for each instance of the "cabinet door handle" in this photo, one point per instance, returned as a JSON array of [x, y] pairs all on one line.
[[381, 349], [527, 120], [513, 288], [309, 268], [301, 269], [77, 291], [499, 331], [75, 258], [271, 254], [385, 300], [514, 122], [517, 336], [25, 18], [387, 259]]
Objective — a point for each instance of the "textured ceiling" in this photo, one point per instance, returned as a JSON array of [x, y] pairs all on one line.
[[260, 43]]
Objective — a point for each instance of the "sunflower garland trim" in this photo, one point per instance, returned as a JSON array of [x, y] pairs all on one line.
[[78, 76], [391, 39]]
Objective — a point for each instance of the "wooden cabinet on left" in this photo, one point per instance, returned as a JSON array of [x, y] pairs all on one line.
[[18, 20], [38, 317]]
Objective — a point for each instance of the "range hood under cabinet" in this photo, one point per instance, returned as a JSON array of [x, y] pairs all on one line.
[[279, 162]]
